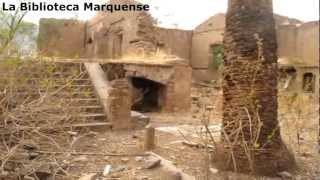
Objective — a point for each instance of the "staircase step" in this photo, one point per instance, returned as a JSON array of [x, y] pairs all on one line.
[[83, 106]]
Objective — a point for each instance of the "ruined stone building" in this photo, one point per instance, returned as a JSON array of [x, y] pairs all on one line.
[[130, 61], [125, 36], [298, 51]]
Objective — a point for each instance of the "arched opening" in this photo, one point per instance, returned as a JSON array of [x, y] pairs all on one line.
[[309, 80], [146, 95]]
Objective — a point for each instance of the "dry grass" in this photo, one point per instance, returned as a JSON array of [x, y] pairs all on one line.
[[298, 116], [33, 119]]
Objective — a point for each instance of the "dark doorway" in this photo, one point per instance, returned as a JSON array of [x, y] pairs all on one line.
[[146, 95]]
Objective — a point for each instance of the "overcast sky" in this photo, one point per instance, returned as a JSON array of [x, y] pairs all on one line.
[[187, 14]]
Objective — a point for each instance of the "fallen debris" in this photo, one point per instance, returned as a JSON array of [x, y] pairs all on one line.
[[197, 145], [119, 169], [171, 172], [139, 118], [88, 177], [214, 170], [151, 163], [139, 159], [106, 170], [285, 175]]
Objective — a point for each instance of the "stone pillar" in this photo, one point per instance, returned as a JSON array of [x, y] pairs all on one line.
[[119, 104], [182, 87]]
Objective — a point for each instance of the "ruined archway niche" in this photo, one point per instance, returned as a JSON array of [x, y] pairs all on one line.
[[287, 76], [162, 85], [309, 82], [147, 95]]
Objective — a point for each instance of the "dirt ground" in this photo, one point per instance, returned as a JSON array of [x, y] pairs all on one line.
[[93, 151]]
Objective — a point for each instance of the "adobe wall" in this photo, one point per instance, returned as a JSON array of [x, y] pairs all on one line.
[[207, 33], [299, 42], [175, 42], [287, 40], [294, 41], [180, 93], [308, 43], [61, 38]]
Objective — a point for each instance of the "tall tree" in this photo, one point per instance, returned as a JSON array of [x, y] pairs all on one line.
[[251, 134]]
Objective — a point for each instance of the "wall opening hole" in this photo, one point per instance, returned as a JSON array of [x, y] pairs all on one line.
[[309, 81], [90, 41], [146, 95], [287, 76], [216, 56]]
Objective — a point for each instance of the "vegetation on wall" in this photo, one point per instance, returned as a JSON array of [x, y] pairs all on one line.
[[217, 56]]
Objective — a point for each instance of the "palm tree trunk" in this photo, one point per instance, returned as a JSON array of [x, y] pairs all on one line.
[[251, 134]]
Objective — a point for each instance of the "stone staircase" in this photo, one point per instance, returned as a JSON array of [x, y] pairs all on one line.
[[65, 87]]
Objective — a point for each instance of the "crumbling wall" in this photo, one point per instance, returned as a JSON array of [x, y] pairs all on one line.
[[206, 34], [161, 74], [174, 42], [295, 40], [61, 38], [308, 43], [287, 41], [121, 33], [119, 104], [182, 88], [299, 43]]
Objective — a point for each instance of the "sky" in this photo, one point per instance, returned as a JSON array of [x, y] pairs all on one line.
[[185, 14]]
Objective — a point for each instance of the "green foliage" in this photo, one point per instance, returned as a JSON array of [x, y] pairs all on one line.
[[217, 56], [14, 32], [13, 61]]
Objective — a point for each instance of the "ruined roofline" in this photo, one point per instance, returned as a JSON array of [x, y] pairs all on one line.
[[308, 24], [297, 62], [60, 20], [100, 16], [299, 65], [276, 16], [172, 29], [223, 15]]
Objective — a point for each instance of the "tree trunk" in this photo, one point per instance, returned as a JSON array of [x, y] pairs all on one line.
[[251, 134]]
